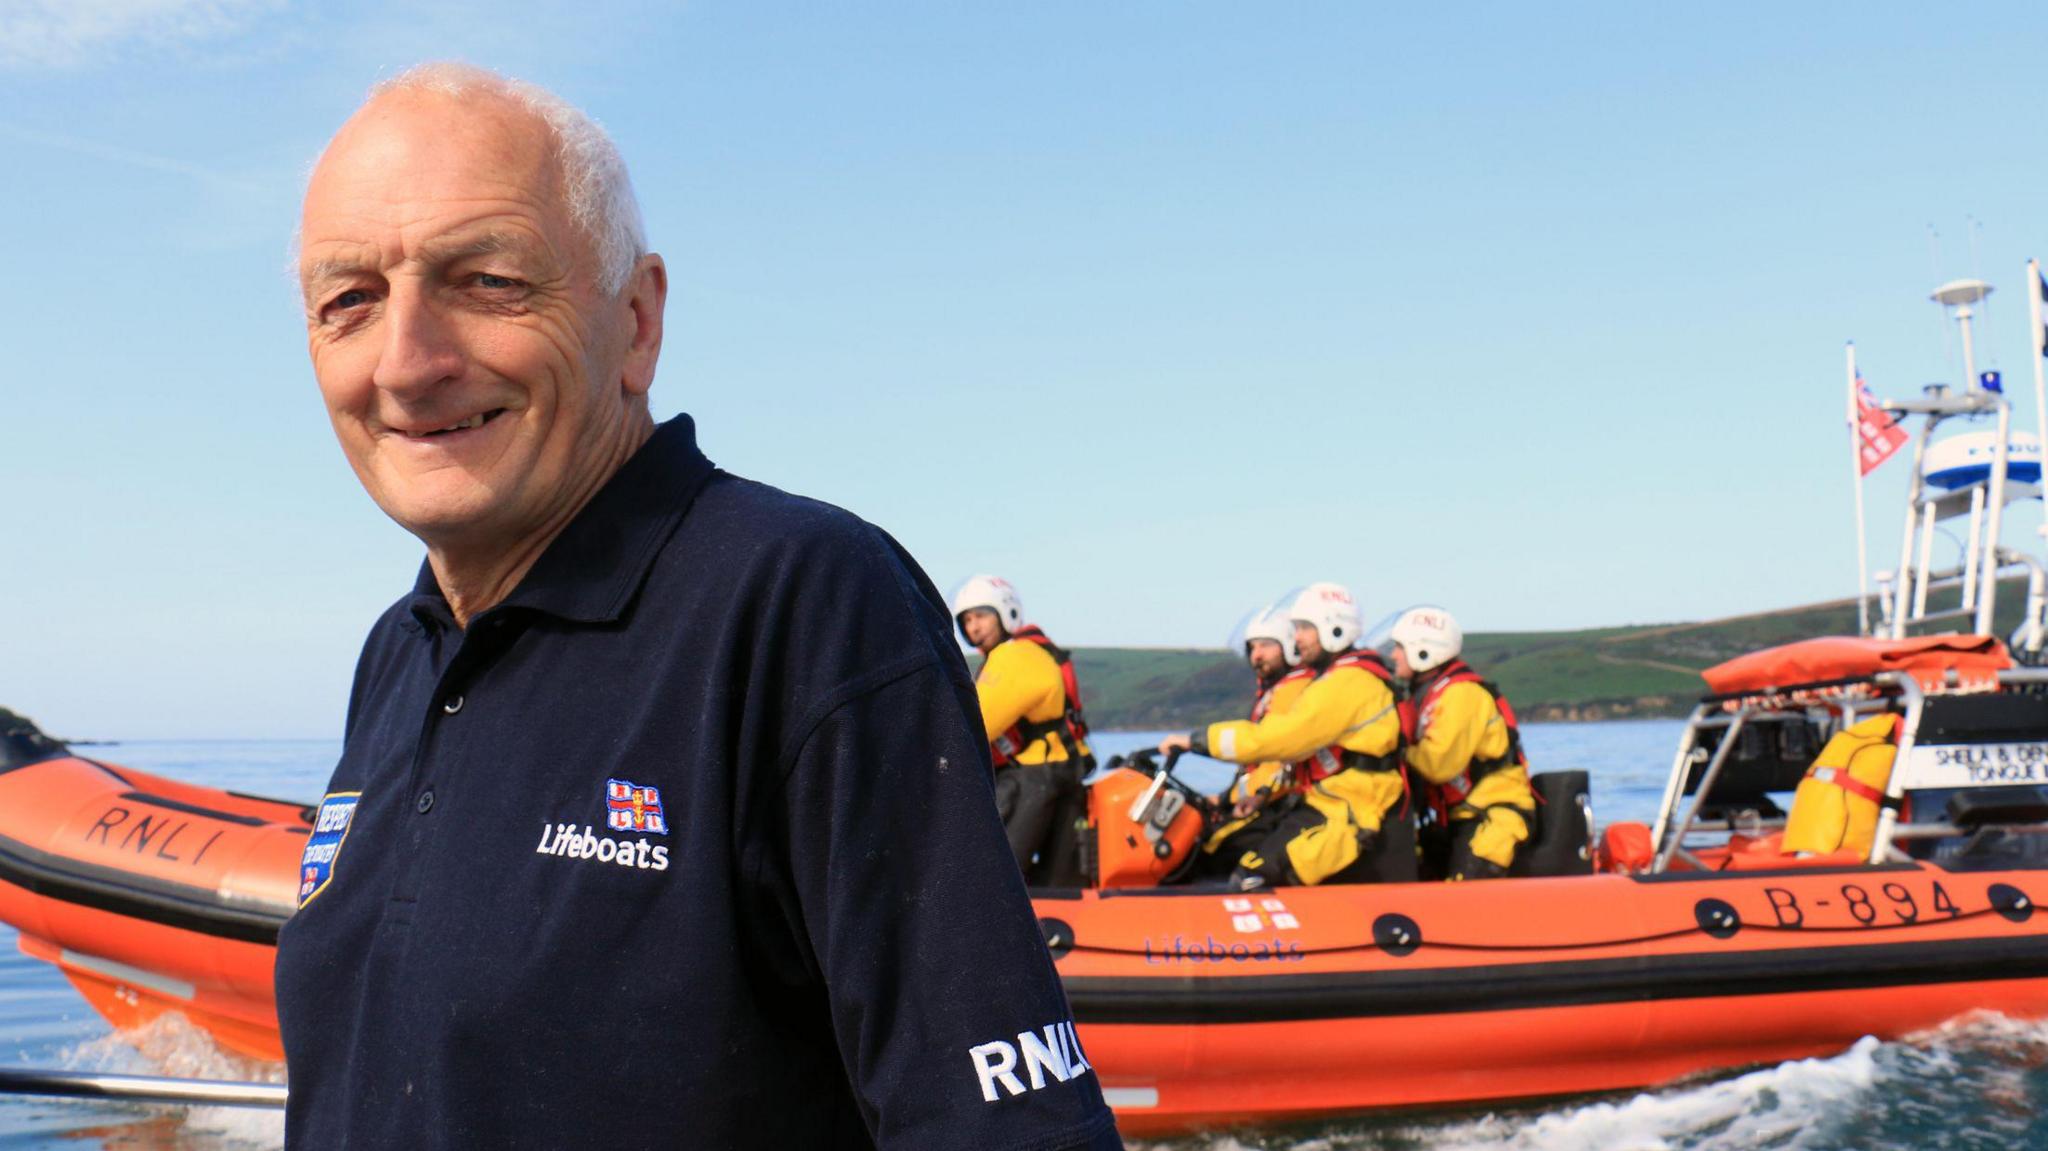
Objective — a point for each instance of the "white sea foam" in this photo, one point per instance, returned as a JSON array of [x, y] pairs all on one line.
[[169, 1045], [1774, 1107], [1970, 1083]]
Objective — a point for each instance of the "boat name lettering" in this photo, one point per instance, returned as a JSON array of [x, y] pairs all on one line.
[[567, 841], [1975, 764], [151, 834], [1053, 1051], [1891, 904], [1991, 753], [1181, 949]]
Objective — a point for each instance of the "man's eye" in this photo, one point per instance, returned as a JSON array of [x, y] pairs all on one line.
[[495, 282], [353, 298]]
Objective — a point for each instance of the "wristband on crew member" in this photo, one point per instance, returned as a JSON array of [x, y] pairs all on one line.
[[1198, 742]]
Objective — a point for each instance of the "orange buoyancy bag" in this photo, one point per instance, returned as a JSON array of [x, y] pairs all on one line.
[[1838, 803], [1974, 659], [1141, 847], [1626, 849]]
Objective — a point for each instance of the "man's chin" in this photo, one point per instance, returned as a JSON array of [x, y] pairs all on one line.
[[446, 517]]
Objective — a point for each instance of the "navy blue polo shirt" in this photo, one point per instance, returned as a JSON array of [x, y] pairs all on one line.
[[690, 842]]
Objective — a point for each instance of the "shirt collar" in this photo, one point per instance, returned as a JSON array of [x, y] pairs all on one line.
[[592, 570]]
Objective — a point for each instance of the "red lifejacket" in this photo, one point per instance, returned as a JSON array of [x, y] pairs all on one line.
[[1262, 697], [1070, 726], [1445, 796], [1333, 759]]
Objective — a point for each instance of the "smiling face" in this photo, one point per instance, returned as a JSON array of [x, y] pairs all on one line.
[[482, 386]]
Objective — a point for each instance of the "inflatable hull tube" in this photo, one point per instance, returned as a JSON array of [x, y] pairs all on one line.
[[152, 895], [1200, 1010], [1196, 1008]]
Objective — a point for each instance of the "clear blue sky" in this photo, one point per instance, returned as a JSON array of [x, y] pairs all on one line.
[[1157, 309]]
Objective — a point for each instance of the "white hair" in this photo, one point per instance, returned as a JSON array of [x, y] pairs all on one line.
[[595, 186]]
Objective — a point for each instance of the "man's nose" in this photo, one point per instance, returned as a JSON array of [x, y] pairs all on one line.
[[420, 347]]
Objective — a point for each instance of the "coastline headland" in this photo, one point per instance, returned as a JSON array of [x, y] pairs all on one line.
[[1636, 671]]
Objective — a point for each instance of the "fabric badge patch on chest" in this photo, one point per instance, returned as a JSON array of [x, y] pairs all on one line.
[[330, 827], [631, 807]]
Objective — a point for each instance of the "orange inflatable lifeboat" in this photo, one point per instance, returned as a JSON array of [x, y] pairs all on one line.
[[1626, 960], [1203, 1010], [1704, 944], [149, 895]]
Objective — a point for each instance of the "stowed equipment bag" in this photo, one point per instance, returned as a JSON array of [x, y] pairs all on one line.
[[1838, 803]]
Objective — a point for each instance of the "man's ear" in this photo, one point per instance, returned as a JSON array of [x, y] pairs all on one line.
[[646, 296]]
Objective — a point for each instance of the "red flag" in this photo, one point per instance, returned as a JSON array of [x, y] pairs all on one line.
[[1878, 435]]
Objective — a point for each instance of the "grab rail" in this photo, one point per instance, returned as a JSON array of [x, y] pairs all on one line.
[[139, 1088]]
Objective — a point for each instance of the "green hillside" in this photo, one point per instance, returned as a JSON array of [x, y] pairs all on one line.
[[1601, 673]]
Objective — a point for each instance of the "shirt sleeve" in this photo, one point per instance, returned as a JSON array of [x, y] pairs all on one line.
[[949, 1016], [1452, 732]]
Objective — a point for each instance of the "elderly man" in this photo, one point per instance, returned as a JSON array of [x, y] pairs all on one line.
[[663, 818]]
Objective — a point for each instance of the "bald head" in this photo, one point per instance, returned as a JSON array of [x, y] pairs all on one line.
[[589, 176], [409, 160]]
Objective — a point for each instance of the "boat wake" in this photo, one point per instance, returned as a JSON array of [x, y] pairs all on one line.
[[169, 1045], [1975, 1083]]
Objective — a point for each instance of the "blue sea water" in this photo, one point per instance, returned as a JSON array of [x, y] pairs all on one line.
[[1980, 1083]]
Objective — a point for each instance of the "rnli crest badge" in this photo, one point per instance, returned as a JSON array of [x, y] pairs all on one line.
[[330, 827], [629, 806]]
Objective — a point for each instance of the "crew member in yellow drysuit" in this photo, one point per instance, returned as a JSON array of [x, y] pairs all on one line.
[[1464, 749], [1031, 709], [1343, 736], [1263, 792]]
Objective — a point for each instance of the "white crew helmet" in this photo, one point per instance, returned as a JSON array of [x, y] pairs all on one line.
[[1430, 636], [1331, 610], [993, 593], [1272, 623]]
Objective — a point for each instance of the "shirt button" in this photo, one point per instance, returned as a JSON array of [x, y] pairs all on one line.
[[452, 704], [426, 803]]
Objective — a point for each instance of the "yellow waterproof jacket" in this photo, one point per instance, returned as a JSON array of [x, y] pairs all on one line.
[[1261, 780], [1346, 707], [1459, 724], [1019, 684], [1838, 803], [1265, 778]]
